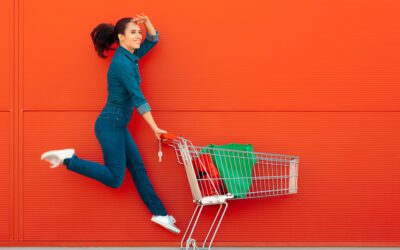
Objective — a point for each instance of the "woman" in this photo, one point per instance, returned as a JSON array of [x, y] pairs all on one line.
[[124, 94]]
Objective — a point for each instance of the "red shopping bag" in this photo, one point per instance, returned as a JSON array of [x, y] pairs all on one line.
[[207, 175]]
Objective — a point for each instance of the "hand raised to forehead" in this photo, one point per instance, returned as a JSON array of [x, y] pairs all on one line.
[[140, 18]]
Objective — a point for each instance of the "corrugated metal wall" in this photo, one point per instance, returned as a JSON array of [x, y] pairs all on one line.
[[317, 79]]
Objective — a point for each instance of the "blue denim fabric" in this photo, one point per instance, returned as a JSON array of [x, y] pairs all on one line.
[[119, 150], [123, 76]]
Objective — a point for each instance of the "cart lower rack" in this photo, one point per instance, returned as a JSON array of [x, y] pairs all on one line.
[[216, 175]]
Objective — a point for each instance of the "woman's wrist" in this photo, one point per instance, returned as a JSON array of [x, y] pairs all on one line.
[[150, 28], [155, 128], [149, 119]]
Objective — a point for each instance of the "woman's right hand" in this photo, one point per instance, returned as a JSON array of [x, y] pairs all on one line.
[[158, 132], [140, 18]]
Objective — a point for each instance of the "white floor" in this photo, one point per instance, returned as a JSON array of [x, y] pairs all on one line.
[[213, 248]]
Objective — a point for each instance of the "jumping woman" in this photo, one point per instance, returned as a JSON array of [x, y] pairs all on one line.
[[124, 94]]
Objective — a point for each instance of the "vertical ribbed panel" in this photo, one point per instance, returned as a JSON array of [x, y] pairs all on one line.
[[6, 143], [5, 215], [7, 54]]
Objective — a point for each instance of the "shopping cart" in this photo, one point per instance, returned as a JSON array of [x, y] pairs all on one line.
[[216, 175]]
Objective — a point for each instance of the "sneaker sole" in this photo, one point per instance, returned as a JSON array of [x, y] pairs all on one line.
[[167, 226], [46, 154]]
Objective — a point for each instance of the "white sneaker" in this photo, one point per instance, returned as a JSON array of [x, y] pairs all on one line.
[[167, 221], [57, 157]]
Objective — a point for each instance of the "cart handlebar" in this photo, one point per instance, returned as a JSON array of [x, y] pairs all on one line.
[[168, 136]]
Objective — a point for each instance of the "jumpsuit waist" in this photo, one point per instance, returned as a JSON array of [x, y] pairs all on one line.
[[117, 108]]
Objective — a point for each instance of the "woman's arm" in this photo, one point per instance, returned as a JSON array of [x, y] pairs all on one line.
[[151, 40], [151, 36], [149, 119], [150, 30]]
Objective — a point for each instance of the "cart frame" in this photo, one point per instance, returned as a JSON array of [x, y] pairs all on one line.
[[279, 179]]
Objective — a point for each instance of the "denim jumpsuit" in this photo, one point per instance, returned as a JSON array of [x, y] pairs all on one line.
[[119, 148]]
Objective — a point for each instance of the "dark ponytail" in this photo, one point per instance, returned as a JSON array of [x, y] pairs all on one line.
[[104, 35]]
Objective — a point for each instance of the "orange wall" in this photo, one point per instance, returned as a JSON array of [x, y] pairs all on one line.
[[317, 79]]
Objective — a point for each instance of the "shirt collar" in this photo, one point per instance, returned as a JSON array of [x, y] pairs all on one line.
[[126, 52]]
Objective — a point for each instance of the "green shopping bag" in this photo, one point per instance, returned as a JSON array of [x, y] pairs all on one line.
[[235, 167]]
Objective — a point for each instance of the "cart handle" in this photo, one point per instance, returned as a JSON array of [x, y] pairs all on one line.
[[168, 136]]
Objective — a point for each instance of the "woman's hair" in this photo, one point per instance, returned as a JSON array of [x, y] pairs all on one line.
[[105, 34]]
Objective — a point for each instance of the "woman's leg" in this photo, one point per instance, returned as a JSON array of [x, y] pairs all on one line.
[[112, 143], [136, 168]]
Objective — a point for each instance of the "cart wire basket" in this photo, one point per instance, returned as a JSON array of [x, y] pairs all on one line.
[[217, 175]]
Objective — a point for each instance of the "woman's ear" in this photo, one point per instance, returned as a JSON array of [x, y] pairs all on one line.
[[121, 37]]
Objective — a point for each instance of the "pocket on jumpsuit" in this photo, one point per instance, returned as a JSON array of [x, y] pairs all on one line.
[[120, 119]]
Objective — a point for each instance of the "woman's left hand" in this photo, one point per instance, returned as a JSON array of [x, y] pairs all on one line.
[[140, 18], [158, 133]]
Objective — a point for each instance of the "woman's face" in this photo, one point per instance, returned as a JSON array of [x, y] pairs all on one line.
[[132, 37]]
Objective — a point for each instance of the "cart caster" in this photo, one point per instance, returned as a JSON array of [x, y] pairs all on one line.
[[191, 243]]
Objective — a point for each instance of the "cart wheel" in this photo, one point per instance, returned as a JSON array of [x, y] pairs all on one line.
[[191, 242]]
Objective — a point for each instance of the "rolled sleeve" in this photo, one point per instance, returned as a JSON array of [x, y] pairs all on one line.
[[147, 45], [152, 38], [143, 108]]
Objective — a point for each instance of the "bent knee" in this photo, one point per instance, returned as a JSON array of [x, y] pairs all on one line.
[[116, 182]]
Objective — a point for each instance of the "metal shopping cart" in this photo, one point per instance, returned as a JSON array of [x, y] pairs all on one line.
[[217, 175]]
